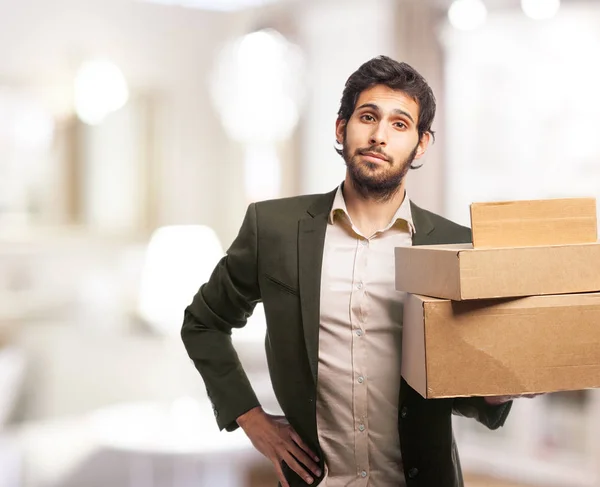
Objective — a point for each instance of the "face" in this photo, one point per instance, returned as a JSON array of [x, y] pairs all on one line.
[[380, 141]]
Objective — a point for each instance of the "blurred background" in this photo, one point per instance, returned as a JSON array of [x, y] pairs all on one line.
[[133, 135]]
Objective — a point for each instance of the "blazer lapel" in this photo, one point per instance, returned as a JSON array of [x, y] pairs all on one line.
[[311, 240], [423, 225]]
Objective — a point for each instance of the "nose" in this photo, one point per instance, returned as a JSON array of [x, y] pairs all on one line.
[[378, 137]]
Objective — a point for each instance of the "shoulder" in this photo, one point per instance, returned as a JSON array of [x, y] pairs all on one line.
[[277, 220], [295, 207], [293, 202]]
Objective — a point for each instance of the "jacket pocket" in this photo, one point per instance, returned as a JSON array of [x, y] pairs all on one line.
[[282, 285]]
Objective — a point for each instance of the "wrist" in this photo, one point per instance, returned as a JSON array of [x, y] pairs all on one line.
[[244, 419]]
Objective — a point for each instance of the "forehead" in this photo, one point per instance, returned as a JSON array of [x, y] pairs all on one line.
[[388, 99]]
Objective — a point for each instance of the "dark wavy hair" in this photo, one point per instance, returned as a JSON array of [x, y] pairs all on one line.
[[383, 70]]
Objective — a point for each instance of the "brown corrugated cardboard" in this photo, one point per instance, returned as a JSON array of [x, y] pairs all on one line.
[[501, 347], [460, 272], [536, 222]]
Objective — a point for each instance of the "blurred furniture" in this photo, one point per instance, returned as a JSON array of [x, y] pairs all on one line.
[[484, 481], [10, 464], [183, 432], [552, 440], [12, 369], [144, 444]]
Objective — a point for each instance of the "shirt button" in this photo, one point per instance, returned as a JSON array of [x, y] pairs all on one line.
[[361, 427], [413, 472], [359, 333], [361, 379], [404, 412], [359, 285], [363, 474], [364, 242]]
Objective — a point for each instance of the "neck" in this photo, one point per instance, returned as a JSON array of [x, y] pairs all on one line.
[[370, 214]]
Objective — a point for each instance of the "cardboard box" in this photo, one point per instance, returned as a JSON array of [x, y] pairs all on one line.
[[460, 272], [536, 222], [501, 347]]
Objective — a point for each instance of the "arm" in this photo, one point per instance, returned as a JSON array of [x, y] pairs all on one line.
[[225, 302]]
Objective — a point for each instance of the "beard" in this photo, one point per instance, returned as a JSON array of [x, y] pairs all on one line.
[[371, 180]]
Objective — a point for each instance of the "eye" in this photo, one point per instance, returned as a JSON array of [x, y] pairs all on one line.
[[400, 125], [367, 117]]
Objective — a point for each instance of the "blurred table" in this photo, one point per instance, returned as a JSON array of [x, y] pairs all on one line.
[[136, 445], [184, 432]]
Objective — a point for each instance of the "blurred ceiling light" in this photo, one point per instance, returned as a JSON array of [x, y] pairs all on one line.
[[467, 14], [540, 9], [216, 5], [257, 87], [100, 89], [179, 259]]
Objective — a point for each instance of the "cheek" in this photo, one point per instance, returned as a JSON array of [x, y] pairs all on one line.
[[405, 145], [356, 139]]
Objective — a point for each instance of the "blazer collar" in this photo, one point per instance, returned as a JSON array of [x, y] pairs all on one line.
[[322, 204], [421, 218]]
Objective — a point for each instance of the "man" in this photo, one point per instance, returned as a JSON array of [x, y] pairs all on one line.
[[323, 265]]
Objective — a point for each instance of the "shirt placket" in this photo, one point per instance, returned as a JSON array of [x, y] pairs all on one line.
[[359, 362]]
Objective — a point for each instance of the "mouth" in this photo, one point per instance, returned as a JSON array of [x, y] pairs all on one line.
[[374, 156]]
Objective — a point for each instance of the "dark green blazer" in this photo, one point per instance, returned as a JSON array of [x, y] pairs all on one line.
[[276, 258]]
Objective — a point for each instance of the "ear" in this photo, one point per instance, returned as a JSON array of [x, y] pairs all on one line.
[[423, 145], [340, 130]]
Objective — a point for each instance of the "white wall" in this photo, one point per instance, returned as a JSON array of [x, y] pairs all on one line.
[[522, 108], [337, 38], [166, 54]]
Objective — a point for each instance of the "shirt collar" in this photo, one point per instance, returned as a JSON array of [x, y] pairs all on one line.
[[403, 213]]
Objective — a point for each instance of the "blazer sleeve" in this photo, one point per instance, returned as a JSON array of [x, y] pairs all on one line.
[[225, 302], [477, 408]]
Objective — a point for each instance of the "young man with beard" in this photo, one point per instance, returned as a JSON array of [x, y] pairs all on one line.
[[323, 266]]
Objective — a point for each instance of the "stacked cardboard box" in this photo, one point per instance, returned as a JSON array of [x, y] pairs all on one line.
[[516, 312]]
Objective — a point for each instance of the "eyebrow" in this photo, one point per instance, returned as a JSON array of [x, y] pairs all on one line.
[[395, 111]]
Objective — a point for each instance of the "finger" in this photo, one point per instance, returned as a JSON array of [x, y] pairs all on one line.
[[497, 400], [296, 437], [303, 458], [296, 467], [279, 472]]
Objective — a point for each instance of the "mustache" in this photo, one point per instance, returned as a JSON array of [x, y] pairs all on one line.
[[374, 149]]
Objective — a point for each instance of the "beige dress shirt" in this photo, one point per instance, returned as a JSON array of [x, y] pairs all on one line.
[[360, 350]]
